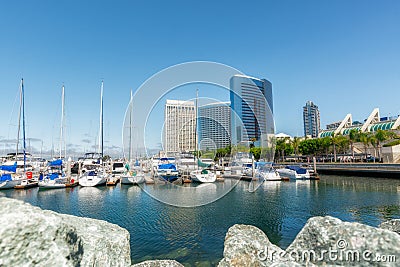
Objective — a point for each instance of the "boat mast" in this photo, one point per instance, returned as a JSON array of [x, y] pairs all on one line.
[[62, 121], [130, 128], [101, 121], [19, 119], [23, 122]]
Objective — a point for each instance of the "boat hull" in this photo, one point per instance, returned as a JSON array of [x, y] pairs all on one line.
[[94, 180], [199, 177], [137, 179], [9, 184]]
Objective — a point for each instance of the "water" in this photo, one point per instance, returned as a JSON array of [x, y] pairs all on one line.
[[195, 236]]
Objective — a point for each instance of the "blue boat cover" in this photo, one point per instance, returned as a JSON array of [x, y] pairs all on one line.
[[52, 176], [9, 168], [57, 162], [5, 177], [168, 166], [297, 169]]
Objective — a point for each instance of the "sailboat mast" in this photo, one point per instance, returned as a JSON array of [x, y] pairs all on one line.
[[101, 121], [19, 119], [62, 121], [130, 128], [23, 122]]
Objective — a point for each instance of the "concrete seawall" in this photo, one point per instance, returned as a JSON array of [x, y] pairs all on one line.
[[361, 169]]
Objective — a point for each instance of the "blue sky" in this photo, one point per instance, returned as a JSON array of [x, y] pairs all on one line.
[[343, 55]]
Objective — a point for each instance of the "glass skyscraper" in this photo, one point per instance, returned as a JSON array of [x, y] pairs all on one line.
[[311, 119], [251, 110]]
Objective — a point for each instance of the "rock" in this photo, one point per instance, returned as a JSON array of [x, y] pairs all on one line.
[[31, 236], [323, 241], [158, 263], [327, 240], [391, 225], [246, 245]]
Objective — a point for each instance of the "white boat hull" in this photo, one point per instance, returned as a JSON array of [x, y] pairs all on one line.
[[199, 177], [270, 176], [9, 184], [92, 180], [137, 179], [53, 184], [293, 174]]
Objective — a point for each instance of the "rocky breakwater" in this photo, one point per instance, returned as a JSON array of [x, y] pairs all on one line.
[[30, 236], [323, 241]]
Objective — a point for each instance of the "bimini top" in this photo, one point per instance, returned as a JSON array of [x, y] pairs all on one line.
[[5, 177], [9, 168], [167, 166], [297, 169], [57, 162]]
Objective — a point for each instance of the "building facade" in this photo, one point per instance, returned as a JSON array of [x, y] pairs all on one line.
[[214, 125], [251, 110], [311, 119], [180, 126]]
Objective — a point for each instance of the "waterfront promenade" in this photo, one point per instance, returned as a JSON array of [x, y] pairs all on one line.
[[360, 169]]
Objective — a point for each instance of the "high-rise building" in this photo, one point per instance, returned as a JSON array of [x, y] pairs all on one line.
[[214, 125], [311, 119], [251, 110], [180, 126]]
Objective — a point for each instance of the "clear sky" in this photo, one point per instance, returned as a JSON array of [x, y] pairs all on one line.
[[342, 55]]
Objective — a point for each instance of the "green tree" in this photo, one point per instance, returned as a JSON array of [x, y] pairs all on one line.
[[364, 138], [295, 142], [335, 139], [256, 151], [353, 137]]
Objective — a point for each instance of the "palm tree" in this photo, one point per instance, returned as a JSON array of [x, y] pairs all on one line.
[[295, 144], [335, 142], [353, 137], [365, 139]]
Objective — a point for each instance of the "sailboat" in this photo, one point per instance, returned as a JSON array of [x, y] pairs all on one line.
[[136, 174], [97, 176], [56, 178], [204, 175], [10, 178]]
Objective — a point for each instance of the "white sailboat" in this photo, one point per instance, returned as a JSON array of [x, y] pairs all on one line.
[[204, 175], [9, 177], [97, 176], [132, 175]]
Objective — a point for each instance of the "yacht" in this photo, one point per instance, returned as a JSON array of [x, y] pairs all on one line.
[[294, 172]]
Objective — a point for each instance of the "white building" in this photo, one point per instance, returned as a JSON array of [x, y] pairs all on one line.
[[180, 126]]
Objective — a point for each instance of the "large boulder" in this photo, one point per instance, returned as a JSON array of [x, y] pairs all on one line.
[[30, 236], [158, 263], [323, 241], [392, 225], [328, 240], [246, 245]]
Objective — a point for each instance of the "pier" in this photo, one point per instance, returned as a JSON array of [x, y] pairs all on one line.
[[361, 169]]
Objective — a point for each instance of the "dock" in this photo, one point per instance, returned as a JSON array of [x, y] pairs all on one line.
[[27, 185], [361, 169], [75, 183]]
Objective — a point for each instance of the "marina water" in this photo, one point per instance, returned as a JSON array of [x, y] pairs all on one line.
[[195, 236]]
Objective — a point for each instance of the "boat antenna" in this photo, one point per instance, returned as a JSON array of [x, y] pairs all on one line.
[[19, 119]]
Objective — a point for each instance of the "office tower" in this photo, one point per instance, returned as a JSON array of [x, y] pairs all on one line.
[[251, 110], [214, 125], [311, 119]]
